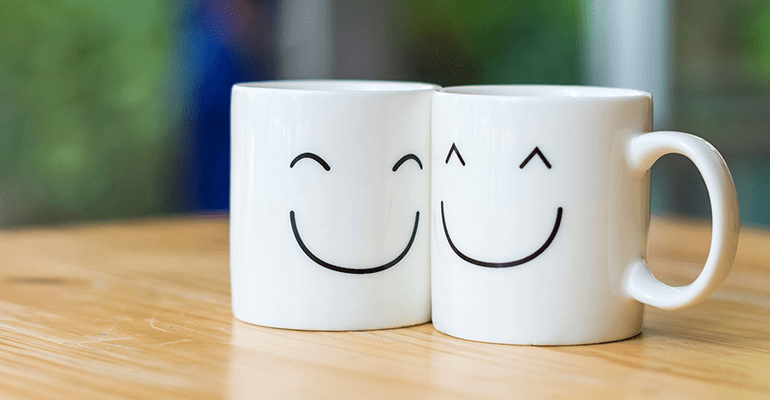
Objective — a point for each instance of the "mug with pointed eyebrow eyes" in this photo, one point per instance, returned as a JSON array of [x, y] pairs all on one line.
[[329, 203], [540, 212]]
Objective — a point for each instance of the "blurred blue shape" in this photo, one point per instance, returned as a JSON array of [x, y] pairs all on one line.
[[221, 43]]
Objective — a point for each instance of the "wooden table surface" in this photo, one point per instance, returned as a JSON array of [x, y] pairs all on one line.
[[141, 310]]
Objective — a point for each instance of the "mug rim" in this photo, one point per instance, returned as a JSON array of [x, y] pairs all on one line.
[[338, 85], [544, 92]]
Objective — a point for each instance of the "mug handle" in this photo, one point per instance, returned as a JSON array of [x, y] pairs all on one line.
[[642, 151]]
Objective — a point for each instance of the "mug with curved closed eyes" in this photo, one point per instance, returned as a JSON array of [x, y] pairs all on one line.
[[540, 212], [330, 189]]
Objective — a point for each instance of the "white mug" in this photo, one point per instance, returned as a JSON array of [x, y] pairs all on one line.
[[330, 191], [540, 212]]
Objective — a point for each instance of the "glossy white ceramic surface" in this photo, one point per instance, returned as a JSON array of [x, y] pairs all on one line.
[[552, 251], [364, 227]]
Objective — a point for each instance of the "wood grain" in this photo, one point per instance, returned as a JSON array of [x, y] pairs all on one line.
[[142, 310]]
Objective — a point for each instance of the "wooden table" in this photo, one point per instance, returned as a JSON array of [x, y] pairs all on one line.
[[141, 310]]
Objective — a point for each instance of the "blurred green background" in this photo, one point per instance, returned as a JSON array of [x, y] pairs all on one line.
[[85, 122], [115, 109]]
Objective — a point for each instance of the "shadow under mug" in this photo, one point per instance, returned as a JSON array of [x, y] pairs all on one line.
[[541, 208]]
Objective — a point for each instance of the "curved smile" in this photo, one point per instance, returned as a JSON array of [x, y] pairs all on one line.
[[347, 270], [503, 264]]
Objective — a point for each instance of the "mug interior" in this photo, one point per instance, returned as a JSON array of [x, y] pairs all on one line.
[[341, 85], [549, 91]]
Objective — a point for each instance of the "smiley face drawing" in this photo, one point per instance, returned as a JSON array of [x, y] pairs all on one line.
[[453, 151], [350, 270]]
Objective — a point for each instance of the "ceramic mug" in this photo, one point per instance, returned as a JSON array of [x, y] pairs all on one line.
[[540, 213], [330, 189]]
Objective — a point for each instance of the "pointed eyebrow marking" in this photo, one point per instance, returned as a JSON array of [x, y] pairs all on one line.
[[405, 158], [532, 154], [310, 155], [454, 149]]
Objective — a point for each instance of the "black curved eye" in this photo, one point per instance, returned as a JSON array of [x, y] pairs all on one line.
[[534, 152], [454, 150], [312, 156], [405, 158]]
